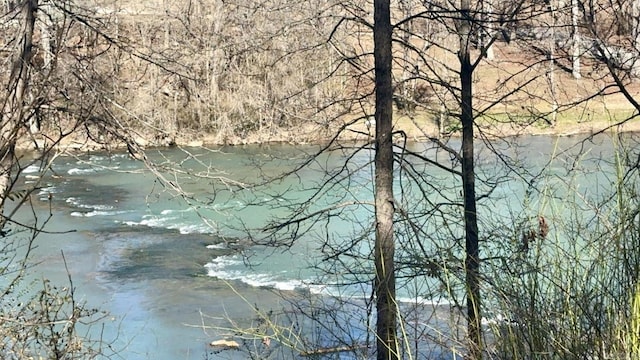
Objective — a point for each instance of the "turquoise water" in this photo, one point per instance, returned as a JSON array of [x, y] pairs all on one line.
[[156, 260]]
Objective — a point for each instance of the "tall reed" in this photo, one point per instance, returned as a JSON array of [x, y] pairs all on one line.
[[573, 294]]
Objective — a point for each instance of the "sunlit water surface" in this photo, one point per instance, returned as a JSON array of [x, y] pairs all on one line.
[[157, 264]]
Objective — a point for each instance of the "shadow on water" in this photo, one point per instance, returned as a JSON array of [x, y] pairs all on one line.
[[137, 254], [159, 287]]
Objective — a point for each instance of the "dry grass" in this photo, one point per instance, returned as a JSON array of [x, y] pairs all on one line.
[[583, 106]]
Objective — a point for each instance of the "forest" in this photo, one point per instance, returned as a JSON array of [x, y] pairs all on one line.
[[354, 77]]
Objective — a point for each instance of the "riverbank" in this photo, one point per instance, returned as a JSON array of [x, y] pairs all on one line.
[[418, 127], [195, 93]]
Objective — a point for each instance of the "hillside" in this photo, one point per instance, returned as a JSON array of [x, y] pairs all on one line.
[[236, 72]]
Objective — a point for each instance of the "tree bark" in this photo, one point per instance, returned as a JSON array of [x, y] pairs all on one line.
[[385, 287], [635, 23], [575, 39], [472, 261], [551, 58], [488, 19], [13, 112]]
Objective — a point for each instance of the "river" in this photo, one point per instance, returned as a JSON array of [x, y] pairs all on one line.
[[162, 265]]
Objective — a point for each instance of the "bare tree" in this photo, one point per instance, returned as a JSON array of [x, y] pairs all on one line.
[[385, 279], [472, 261], [15, 109], [436, 239], [55, 96], [576, 39]]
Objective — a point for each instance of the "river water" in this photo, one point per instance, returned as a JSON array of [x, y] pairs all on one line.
[[162, 265]]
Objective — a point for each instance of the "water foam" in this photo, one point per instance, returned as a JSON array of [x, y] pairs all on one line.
[[49, 189], [176, 211], [222, 268], [217, 246], [45, 193], [170, 223], [33, 168], [77, 171], [75, 202], [97, 213]]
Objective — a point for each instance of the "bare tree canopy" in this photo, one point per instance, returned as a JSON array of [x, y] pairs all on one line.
[[407, 100]]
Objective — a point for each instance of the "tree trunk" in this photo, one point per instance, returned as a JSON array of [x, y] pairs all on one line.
[[488, 19], [575, 39], [551, 58], [13, 111], [635, 24], [408, 90], [385, 286], [472, 261]]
